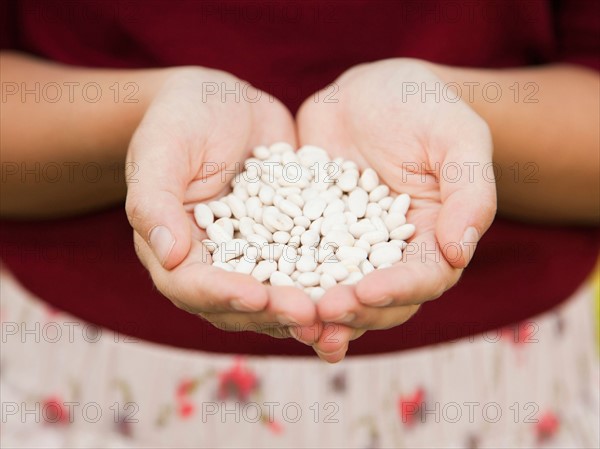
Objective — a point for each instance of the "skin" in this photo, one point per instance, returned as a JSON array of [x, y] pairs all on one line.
[[181, 137], [175, 131], [94, 133], [370, 124]]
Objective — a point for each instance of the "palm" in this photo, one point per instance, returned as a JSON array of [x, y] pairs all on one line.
[[407, 140], [188, 148]]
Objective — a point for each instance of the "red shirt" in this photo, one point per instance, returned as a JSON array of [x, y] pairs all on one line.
[[87, 265]]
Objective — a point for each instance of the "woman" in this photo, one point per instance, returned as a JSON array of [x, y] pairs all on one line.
[[480, 385]]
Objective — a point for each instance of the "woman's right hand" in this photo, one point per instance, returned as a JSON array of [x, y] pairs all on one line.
[[197, 131]]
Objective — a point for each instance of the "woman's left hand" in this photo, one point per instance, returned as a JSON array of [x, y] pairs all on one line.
[[438, 150]]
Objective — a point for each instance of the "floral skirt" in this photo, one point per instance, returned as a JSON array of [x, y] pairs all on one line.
[[67, 383]]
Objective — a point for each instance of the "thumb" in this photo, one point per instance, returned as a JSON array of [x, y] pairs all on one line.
[[468, 203], [154, 204]]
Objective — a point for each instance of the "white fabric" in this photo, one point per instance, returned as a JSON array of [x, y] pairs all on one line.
[[351, 404]]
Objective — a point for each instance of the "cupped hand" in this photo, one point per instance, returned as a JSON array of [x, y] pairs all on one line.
[[435, 148], [193, 138]]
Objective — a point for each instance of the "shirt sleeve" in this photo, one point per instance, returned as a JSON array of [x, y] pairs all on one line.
[[577, 28], [8, 24]]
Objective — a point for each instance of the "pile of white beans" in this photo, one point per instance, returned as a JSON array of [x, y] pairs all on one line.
[[302, 219]]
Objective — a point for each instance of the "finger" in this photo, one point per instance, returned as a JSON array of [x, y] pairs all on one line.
[[291, 306], [468, 199], [340, 305], [196, 286], [422, 275], [272, 121], [290, 313], [309, 335], [246, 322], [333, 343], [154, 202], [319, 123]]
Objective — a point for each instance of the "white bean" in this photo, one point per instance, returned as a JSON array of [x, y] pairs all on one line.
[[276, 221], [378, 193], [348, 180], [339, 238], [327, 281], [369, 180], [261, 152], [366, 267], [245, 266], [264, 269], [314, 208], [262, 231], [289, 208], [335, 207], [352, 278], [351, 254], [203, 215], [386, 202], [309, 238], [306, 263], [298, 218], [217, 234], [220, 209], [280, 279], [281, 237], [253, 188], [403, 232], [309, 279], [246, 226], [302, 221], [226, 224], [252, 204], [266, 194], [229, 250], [336, 269], [358, 201], [361, 227], [388, 254], [400, 204], [297, 230], [373, 237], [316, 293], [394, 220]]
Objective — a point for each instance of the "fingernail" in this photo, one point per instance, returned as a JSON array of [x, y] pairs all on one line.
[[383, 302], [241, 306], [284, 319], [345, 318], [325, 355], [296, 333], [469, 243], [161, 242]]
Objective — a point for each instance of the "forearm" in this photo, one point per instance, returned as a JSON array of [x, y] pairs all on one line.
[[63, 144], [546, 138]]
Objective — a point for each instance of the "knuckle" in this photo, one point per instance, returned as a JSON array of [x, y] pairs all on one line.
[[134, 209]]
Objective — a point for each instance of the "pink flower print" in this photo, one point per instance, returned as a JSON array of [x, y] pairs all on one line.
[[185, 409], [124, 427], [409, 407], [186, 387], [521, 333], [547, 426], [238, 382], [275, 426], [54, 411]]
